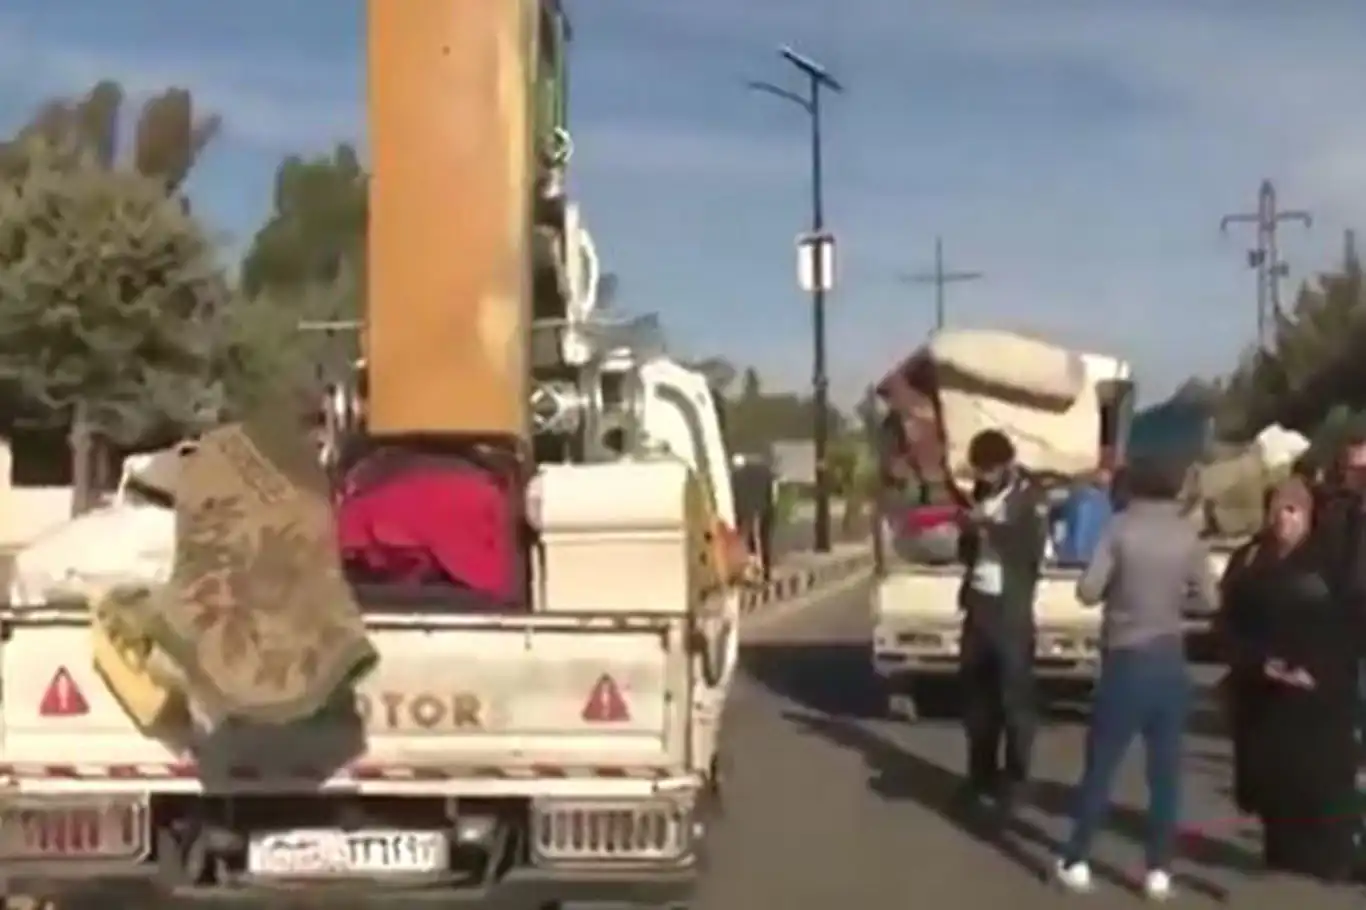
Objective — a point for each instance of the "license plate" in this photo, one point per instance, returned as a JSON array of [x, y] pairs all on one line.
[[54, 830], [331, 852]]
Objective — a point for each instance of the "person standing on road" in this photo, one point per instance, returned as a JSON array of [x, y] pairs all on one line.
[[1342, 526], [1293, 650], [1342, 519], [1001, 546], [1238, 688], [755, 503], [1148, 569]]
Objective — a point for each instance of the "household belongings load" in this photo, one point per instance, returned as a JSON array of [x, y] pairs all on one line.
[[968, 380], [1225, 496], [249, 618]]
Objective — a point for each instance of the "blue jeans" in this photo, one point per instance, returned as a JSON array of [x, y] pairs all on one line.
[[1141, 692]]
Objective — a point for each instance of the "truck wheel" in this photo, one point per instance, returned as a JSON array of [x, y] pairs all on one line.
[[181, 857], [903, 705], [928, 698]]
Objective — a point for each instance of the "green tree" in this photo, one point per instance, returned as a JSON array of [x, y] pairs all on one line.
[[109, 292], [315, 234], [758, 418], [82, 134], [168, 137], [1313, 364], [868, 413], [306, 264]]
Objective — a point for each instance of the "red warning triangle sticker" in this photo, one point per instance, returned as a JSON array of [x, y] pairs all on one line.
[[63, 698], [605, 704]]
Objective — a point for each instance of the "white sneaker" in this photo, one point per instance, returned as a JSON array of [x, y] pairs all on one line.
[[1157, 885], [1075, 877]]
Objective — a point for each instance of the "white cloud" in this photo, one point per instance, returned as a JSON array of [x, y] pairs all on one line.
[[1273, 84], [1123, 253], [1108, 243], [1276, 84]]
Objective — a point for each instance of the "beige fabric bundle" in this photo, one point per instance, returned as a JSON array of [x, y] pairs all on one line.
[[1010, 366], [1035, 392]]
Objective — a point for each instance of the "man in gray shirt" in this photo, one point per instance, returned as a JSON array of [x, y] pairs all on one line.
[[1149, 570]]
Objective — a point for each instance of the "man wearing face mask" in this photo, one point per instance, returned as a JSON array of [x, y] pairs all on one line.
[[1001, 547]]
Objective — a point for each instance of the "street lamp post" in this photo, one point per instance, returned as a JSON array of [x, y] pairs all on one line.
[[817, 78]]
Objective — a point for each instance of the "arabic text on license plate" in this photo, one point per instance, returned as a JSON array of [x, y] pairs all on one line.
[[332, 852], [106, 830]]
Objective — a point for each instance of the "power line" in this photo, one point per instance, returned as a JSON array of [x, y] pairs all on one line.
[[1265, 257], [940, 278]]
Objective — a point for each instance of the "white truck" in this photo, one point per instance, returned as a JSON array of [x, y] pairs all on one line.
[[959, 383], [524, 759]]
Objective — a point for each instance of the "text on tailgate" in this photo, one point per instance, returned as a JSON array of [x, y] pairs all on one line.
[[421, 711]]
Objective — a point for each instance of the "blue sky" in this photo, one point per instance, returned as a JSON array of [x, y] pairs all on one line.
[[1079, 152]]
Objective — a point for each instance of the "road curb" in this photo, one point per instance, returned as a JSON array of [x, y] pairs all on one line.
[[790, 584]]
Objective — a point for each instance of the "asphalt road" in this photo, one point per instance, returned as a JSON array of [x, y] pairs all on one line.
[[798, 536], [831, 805]]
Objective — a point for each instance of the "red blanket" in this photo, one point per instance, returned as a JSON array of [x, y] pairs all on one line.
[[422, 520]]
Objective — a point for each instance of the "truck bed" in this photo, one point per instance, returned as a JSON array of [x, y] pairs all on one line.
[[461, 704], [930, 593]]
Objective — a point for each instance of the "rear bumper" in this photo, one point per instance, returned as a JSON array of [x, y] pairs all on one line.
[[522, 889], [902, 649], [894, 665]]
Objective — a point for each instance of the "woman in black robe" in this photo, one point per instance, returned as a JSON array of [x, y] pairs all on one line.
[[1294, 645], [1238, 689]]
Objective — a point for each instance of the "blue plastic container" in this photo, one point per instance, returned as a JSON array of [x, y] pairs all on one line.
[[1080, 521]]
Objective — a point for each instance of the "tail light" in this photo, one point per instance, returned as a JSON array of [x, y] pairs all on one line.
[[535, 503]]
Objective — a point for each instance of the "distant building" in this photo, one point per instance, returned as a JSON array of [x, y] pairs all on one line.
[[794, 461]]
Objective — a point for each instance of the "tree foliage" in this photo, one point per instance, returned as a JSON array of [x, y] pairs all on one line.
[[168, 135], [1313, 365], [315, 234], [108, 292], [305, 265], [756, 419], [108, 286]]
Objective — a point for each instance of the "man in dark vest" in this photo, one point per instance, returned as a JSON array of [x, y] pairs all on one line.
[[1002, 547], [753, 482]]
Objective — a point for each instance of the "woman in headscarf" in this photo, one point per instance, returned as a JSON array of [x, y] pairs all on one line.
[[1293, 647]]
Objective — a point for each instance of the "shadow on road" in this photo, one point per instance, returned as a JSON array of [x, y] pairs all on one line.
[[898, 774], [836, 678], [836, 690], [832, 678]]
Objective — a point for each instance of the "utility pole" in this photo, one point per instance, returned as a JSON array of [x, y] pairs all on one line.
[[817, 249], [940, 277], [1265, 256]]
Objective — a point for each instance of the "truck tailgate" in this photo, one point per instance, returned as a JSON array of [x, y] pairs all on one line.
[[479, 696], [929, 594]]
